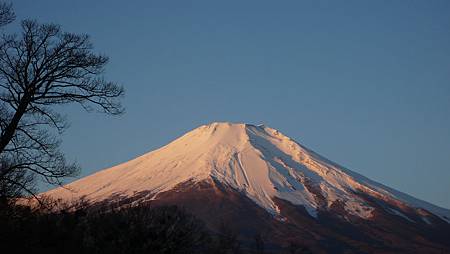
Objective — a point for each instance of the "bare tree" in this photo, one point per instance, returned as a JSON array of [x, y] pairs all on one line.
[[227, 241], [259, 243], [13, 185], [7, 14], [39, 69]]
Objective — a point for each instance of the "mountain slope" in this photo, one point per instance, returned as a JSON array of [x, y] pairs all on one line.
[[256, 160], [280, 187]]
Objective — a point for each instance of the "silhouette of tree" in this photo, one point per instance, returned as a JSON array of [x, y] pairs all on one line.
[[227, 241], [259, 243], [294, 248], [41, 68], [13, 184], [7, 14]]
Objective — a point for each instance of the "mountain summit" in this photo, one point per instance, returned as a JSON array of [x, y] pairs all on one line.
[[260, 167], [256, 160]]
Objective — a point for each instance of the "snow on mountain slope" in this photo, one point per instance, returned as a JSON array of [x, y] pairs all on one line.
[[258, 161]]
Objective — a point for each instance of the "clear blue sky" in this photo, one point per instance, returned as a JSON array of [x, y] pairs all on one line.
[[364, 83]]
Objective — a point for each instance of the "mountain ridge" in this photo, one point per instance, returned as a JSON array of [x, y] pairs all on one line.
[[256, 160]]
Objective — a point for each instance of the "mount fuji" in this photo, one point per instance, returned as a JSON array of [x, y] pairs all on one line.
[[256, 180]]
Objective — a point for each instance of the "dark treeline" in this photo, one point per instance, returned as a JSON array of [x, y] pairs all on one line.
[[81, 230], [77, 228]]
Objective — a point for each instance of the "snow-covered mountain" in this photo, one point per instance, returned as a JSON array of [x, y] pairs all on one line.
[[256, 160], [258, 164]]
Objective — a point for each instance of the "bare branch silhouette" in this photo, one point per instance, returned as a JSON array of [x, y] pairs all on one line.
[[7, 14], [39, 69]]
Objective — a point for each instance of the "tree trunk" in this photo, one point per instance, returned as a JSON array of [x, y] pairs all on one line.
[[8, 134]]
